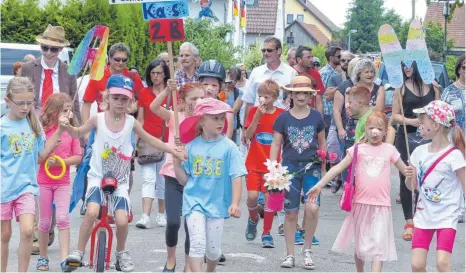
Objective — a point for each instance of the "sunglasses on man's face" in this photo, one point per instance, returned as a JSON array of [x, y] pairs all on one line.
[[269, 50], [345, 60], [124, 60], [49, 48]]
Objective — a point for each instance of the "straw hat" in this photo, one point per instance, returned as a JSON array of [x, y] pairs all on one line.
[[53, 36], [299, 84]]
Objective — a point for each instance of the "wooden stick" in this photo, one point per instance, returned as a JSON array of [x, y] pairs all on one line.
[[175, 103], [407, 148], [82, 78]]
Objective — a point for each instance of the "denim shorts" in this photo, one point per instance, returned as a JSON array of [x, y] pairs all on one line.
[[95, 197], [303, 181]]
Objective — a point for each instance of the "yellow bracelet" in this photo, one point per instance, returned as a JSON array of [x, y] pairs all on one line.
[[63, 171]]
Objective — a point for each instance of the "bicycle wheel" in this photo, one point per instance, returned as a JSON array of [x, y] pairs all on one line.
[[99, 262]]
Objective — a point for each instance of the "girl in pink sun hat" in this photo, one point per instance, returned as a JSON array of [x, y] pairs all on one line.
[[212, 176], [437, 171]]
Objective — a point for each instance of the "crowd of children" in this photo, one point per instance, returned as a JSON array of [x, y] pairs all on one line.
[[204, 171]]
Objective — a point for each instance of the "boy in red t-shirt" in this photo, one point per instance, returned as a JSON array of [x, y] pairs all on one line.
[[259, 130]]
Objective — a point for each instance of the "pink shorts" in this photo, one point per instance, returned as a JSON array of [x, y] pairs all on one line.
[[423, 237], [25, 204]]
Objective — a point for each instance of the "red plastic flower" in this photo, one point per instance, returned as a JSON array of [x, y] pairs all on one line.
[[332, 157], [322, 154]]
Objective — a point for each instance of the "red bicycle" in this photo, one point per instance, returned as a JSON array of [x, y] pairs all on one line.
[[99, 259]]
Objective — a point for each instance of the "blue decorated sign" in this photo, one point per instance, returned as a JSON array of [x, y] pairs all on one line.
[[165, 10]]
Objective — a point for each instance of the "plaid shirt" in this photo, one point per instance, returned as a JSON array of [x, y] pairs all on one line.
[[326, 72], [182, 78]]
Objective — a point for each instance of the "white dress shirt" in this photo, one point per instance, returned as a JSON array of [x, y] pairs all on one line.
[[56, 86], [282, 75]]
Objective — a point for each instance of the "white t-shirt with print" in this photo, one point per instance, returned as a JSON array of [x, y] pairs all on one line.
[[440, 194]]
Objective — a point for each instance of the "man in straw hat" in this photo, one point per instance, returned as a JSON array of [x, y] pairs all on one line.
[[49, 75]]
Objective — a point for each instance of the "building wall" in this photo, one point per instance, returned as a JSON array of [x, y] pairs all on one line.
[[294, 7], [301, 37], [251, 38]]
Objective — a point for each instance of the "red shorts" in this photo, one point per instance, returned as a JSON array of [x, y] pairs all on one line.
[[255, 181], [423, 237], [25, 204]]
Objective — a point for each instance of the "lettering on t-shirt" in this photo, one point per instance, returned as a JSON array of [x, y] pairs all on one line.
[[21, 143], [207, 166], [301, 138], [264, 138]]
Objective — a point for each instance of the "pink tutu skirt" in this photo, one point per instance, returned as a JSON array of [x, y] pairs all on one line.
[[370, 229]]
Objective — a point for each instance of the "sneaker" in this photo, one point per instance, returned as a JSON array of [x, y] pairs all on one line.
[[124, 262], [161, 220], [298, 239], [288, 262], [251, 230], [281, 231], [267, 241], [144, 223], [307, 260], [74, 260], [315, 242]]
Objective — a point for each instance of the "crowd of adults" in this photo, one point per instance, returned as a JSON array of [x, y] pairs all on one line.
[[333, 81]]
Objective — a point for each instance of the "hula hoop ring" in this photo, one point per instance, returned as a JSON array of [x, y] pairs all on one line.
[[63, 166]]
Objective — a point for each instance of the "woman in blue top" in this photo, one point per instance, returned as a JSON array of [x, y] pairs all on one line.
[[212, 176], [23, 149]]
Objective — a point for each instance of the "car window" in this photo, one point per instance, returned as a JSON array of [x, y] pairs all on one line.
[[11, 55]]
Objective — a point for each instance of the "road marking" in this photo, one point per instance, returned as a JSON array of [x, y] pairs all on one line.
[[259, 259]]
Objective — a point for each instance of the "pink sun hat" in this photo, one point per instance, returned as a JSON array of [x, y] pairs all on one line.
[[207, 106]]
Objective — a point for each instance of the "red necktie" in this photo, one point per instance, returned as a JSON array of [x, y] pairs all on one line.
[[47, 86]]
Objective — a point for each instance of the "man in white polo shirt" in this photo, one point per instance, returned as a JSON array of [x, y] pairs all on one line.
[[273, 69]]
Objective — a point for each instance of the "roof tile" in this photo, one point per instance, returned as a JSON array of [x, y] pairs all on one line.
[[262, 19], [456, 27]]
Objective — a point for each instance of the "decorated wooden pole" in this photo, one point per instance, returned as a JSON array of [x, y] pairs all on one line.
[[169, 30]]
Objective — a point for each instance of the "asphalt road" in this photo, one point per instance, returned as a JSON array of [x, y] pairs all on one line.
[[147, 247]]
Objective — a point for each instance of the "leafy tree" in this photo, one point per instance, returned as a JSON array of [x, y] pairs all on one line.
[[21, 21], [253, 56], [319, 52], [210, 39], [450, 64], [365, 16]]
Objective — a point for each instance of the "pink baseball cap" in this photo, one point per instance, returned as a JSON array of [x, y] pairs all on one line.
[[440, 111], [207, 106]]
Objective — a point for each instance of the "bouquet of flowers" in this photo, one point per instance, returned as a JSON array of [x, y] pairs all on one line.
[[278, 178], [322, 156]]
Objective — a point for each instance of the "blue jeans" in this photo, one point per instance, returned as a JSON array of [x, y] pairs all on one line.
[[304, 181]]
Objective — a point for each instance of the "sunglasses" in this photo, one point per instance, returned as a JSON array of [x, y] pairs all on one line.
[[49, 48], [124, 60], [23, 103], [269, 50], [345, 60], [338, 56]]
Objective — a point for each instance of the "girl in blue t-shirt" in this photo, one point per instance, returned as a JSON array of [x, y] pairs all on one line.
[[299, 133], [23, 149], [212, 178]]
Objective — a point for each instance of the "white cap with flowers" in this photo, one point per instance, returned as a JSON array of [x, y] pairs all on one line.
[[440, 111]]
